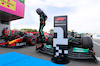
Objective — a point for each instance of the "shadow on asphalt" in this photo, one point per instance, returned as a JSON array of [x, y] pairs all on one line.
[[20, 47], [93, 61]]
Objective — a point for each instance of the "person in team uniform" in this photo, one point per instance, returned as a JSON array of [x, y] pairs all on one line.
[[5, 32], [43, 18]]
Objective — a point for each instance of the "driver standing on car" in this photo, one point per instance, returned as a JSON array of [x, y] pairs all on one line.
[[43, 18]]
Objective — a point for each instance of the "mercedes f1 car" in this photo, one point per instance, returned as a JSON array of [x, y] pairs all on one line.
[[79, 47]]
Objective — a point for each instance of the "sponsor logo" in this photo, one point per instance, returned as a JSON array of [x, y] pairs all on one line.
[[60, 19], [60, 40], [10, 4], [20, 44], [4, 43], [38, 45]]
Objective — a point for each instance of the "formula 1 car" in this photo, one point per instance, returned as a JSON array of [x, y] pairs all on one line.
[[78, 51], [79, 47], [16, 40]]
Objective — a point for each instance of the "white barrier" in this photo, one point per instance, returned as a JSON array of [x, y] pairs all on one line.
[[96, 36]]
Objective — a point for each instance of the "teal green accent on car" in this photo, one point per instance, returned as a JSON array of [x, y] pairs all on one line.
[[48, 46], [80, 50], [73, 40]]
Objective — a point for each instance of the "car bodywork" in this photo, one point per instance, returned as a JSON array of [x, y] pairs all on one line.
[[75, 51]]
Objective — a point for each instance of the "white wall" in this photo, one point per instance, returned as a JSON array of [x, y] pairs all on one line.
[[95, 36]]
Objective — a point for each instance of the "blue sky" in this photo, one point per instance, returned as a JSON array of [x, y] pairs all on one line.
[[83, 15]]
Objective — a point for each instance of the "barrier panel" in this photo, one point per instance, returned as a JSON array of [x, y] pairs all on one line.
[[60, 40]]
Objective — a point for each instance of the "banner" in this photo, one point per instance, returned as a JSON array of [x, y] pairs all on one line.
[[60, 40], [13, 7], [10, 4]]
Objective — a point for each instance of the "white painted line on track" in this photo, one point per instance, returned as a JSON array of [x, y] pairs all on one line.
[[96, 43], [98, 58]]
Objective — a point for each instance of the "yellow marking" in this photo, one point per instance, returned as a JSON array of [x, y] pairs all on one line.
[[11, 42]]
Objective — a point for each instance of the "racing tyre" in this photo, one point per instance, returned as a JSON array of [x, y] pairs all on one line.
[[87, 42], [50, 40], [31, 40]]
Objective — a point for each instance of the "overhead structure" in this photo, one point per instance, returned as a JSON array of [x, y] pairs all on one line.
[[10, 10]]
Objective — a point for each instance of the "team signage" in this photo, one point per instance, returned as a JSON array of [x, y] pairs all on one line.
[[10, 4], [60, 40], [12, 7]]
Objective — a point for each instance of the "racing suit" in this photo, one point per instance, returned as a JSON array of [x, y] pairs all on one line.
[[43, 18]]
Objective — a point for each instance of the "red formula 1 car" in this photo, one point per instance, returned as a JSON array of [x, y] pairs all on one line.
[[16, 40]]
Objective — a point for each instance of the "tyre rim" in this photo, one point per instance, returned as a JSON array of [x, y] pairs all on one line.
[[33, 41]]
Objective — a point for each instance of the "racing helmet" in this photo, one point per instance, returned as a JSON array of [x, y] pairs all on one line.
[[39, 11]]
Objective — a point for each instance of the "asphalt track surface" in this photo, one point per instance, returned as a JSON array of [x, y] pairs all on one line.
[[97, 48], [31, 51]]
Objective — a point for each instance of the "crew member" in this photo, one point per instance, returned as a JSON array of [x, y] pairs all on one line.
[[5, 31]]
